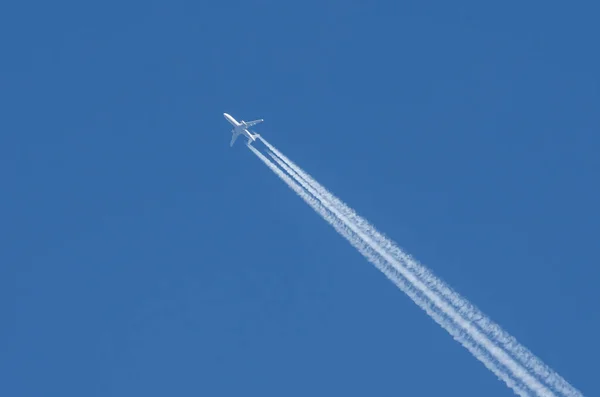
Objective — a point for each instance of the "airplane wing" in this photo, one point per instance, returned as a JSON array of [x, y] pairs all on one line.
[[233, 138], [253, 122]]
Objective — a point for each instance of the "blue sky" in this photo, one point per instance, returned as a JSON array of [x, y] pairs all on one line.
[[141, 255]]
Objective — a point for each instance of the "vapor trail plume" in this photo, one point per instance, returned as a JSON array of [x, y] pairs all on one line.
[[468, 311], [401, 282], [498, 354]]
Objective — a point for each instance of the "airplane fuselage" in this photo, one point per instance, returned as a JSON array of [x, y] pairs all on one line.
[[240, 128]]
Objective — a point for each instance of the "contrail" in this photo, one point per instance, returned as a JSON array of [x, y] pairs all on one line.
[[460, 304], [518, 371], [401, 282]]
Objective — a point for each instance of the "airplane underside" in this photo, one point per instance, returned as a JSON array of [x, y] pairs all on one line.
[[251, 137], [242, 128]]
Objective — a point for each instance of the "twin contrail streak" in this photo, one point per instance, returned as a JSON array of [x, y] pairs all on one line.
[[397, 279], [461, 305], [457, 316], [469, 330]]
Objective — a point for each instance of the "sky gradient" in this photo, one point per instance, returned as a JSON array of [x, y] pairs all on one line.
[[141, 255]]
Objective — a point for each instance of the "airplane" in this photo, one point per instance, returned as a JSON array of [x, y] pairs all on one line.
[[241, 128]]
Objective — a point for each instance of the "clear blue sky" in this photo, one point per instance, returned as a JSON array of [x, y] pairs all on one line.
[[141, 255]]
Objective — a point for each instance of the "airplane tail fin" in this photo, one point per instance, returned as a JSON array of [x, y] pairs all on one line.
[[252, 139]]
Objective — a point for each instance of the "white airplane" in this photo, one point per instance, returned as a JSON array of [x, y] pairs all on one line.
[[241, 128]]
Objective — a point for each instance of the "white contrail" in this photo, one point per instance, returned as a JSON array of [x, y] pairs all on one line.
[[518, 371], [464, 307], [399, 280]]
